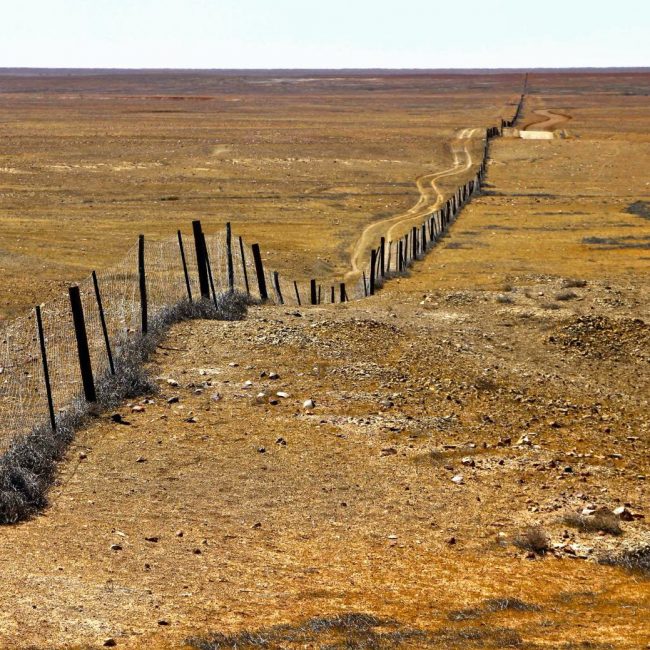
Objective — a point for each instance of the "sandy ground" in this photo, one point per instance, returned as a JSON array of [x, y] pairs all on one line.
[[215, 510]]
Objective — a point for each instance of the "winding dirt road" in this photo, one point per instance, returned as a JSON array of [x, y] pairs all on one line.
[[550, 121], [431, 198]]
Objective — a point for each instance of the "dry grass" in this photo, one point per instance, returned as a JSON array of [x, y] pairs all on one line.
[[601, 521], [533, 539]]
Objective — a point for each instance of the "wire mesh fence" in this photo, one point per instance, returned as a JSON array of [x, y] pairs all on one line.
[[152, 278]]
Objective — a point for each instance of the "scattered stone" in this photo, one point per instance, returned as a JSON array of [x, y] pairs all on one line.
[[192, 419], [274, 376], [172, 382], [137, 409], [233, 364], [523, 441], [140, 459], [174, 400], [118, 419], [216, 397], [458, 479], [309, 404], [179, 533], [109, 643], [247, 384], [256, 525], [273, 401], [623, 513], [451, 541], [392, 537], [282, 394], [82, 455], [261, 450], [162, 621], [153, 540], [116, 547], [281, 441], [388, 451], [468, 461]]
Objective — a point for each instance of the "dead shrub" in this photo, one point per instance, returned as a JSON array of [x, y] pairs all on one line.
[[601, 521], [563, 296], [574, 283], [503, 299], [534, 539], [635, 559]]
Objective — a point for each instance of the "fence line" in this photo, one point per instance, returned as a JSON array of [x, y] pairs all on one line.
[[40, 372]]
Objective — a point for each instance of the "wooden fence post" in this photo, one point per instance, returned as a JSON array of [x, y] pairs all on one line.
[[199, 244], [295, 286], [373, 265], [259, 270], [144, 319], [415, 242], [382, 256], [243, 265], [184, 261], [102, 319], [82, 344], [343, 295], [209, 269], [313, 292], [231, 269], [276, 282], [46, 370], [332, 300], [365, 285], [400, 254]]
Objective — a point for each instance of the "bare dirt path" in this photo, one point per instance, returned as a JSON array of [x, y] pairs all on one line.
[[551, 120], [430, 199]]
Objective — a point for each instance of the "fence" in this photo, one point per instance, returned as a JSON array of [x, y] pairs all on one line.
[[48, 359]]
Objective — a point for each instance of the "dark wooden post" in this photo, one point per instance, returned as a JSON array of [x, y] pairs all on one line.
[[102, 320], [144, 320], [415, 242], [259, 271], [243, 265], [365, 285], [342, 294], [319, 293], [208, 266], [400, 255], [295, 286], [313, 292], [184, 261], [332, 296], [82, 344], [199, 244], [382, 256], [424, 238], [276, 282], [388, 260], [231, 269], [373, 266], [46, 370]]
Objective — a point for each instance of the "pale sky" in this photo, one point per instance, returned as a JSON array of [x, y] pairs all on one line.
[[324, 34]]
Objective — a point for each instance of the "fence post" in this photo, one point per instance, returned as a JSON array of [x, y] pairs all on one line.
[[102, 320], [365, 285], [332, 296], [200, 259], [373, 265], [184, 261], [144, 319], [382, 256], [82, 344], [424, 238], [319, 293], [243, 265], [400, 255], [276, 282], [209, 269], [415, 242], [231, 270], [342, 294], [46, 371], [259, 270], [313, 292], [295, 286]]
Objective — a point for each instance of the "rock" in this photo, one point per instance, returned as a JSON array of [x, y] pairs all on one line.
[[392, 537], [468, 461], [109, 643], [261, 450], [82, 455], [274, 376], [273, 401], [116, 547], [451, 541], [137, 409], [524, 440], [388, 451], [281, 441], [586, 512], [172, 382], [309, 404], [247, 384], [282, 394], [192, 419], [117, 418], [216, 397], [140, 459], [233, 364], [162, 621], [153, 540], [179, 533], [623, 513], [173, 400], [458, 479]]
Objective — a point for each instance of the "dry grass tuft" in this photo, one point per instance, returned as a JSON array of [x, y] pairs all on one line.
[[601, 521], [533, 539], [566, 295], [636, 560]]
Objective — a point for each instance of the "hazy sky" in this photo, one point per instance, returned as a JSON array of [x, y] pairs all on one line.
[[324, 33]]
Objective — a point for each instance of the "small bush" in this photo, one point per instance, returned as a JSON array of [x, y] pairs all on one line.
[[602, 520], [551, 306], [502, 299], [637, 560], [571, 283], [565, 295], [533, 539]]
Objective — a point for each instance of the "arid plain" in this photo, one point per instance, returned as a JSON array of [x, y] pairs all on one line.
[[492, 402]]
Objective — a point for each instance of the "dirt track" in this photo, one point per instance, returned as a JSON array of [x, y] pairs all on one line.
[[551, 120]]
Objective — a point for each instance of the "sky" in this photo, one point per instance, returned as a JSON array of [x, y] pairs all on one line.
[[324, 33]]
